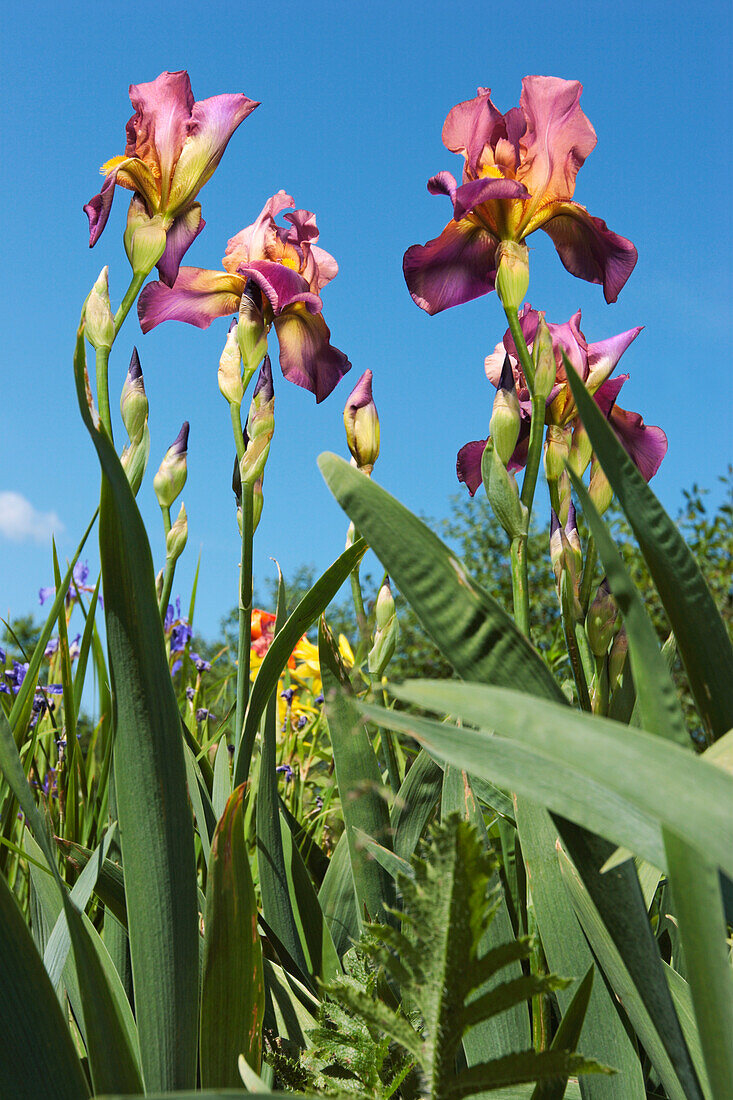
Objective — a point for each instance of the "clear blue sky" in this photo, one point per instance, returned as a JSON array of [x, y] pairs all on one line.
[[353, 101]]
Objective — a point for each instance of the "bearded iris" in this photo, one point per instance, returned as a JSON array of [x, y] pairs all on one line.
[[174, 144], [595, 363], [518, 176], [289, 269]]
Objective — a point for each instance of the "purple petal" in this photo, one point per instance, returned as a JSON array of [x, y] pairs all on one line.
[[198, 297], [179, 238], [603, 357], [98, 207], [282, 286], [157, 130], [251, 243], [468, 464], [646, 445], [469, 195], [470, 126], [606, 394], [212, 123], [589, 249], [455, 267], [558, 137], [307, 357]]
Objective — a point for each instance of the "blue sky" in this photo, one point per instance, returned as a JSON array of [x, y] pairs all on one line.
[[353, 101]]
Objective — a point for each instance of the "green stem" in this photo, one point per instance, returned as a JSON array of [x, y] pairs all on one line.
[[102, 370], [520, 589], [245, 614], [534, 453], [130, 295], [520, 343], [165, 595], [586, 585]]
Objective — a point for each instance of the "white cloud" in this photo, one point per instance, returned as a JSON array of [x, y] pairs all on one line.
[[20, 521]]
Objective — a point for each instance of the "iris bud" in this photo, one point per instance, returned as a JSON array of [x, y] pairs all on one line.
[[600, 622], [581, 451], [543, 355], [361, 422], [617, 658], [385, 634], [230, 369], [505, 416], [260, 426], [503, 493], [145, 238], [98, 321], [134, 459], [599, 488], [171, 476], [574, 548], [557, 450], [133, 399], [251, 330], [175, 540], [512, 273]]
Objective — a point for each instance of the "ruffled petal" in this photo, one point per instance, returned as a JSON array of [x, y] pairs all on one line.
[[251, 242], [645, 444], [469, 126], [212, 123], [468, 464], [179, 238], [307, 357], [197, 297], [455, 267], [326, 267], [558, 137], [589, 249], [281, 285], [606, 394], [157, 130], [469, 195]]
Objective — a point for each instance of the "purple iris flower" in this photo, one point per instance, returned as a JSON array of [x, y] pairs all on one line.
[[51, 648], [80, 573], [180, 635], [302, 721], [287, 695], [190, 693], [285, 770], [3, 656]]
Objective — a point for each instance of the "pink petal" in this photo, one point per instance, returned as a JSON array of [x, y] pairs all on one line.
[[307, 357], [603, 356], [455, 267], [197, 297], [282, 286], [589, 249], [558, 137], [251, 243], [469, 195], [212, 123], [326, 266], [646, 445], [470, 125], [157, 130], [179, 238], [468, 464], [99, 206]]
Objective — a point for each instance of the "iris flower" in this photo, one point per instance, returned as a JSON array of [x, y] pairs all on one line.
[[173, 147], [646, 444], [518, 176], [289, 269]]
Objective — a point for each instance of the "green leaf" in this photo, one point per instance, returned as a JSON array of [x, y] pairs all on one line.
[[598, 773], [649, 1009], [29, 1009], [338, 900], [518, 1068], [315, 935], [700, 632], [567, 1037], [359, 782], [682, 998], [465, 622], [222, 787], [415, 802], [702, 926], [233, 992], [305, 614], [152, 801]]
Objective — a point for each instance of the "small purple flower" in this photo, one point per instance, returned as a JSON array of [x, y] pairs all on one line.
[[80, 573], [190, 693], [45, 594], [176, 667], [75, 647], [51, 648], [3, 656], [302, 721], [180, 635], [16, 675], [287, 695], [319, 700], [285, 770], [202, 714]]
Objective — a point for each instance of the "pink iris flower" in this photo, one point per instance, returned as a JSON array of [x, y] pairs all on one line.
[[290, 270], [645, 444], [173, 147], [518, 175]]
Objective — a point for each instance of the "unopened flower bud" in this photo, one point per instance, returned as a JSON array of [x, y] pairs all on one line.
[[503, 493], [512, 273], [617, 658], [362, 424], [556, 544], [543, 355], [133, 400], [599, 488], [581, 451], [145, 238], [385, 634], [171, 476], [134, 459], [600, 623], [98, 321], [505, 416], [237, 481], [230, 369], [251, 329], [557, 450], [573, 537], [260, 426], [175, 540]]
